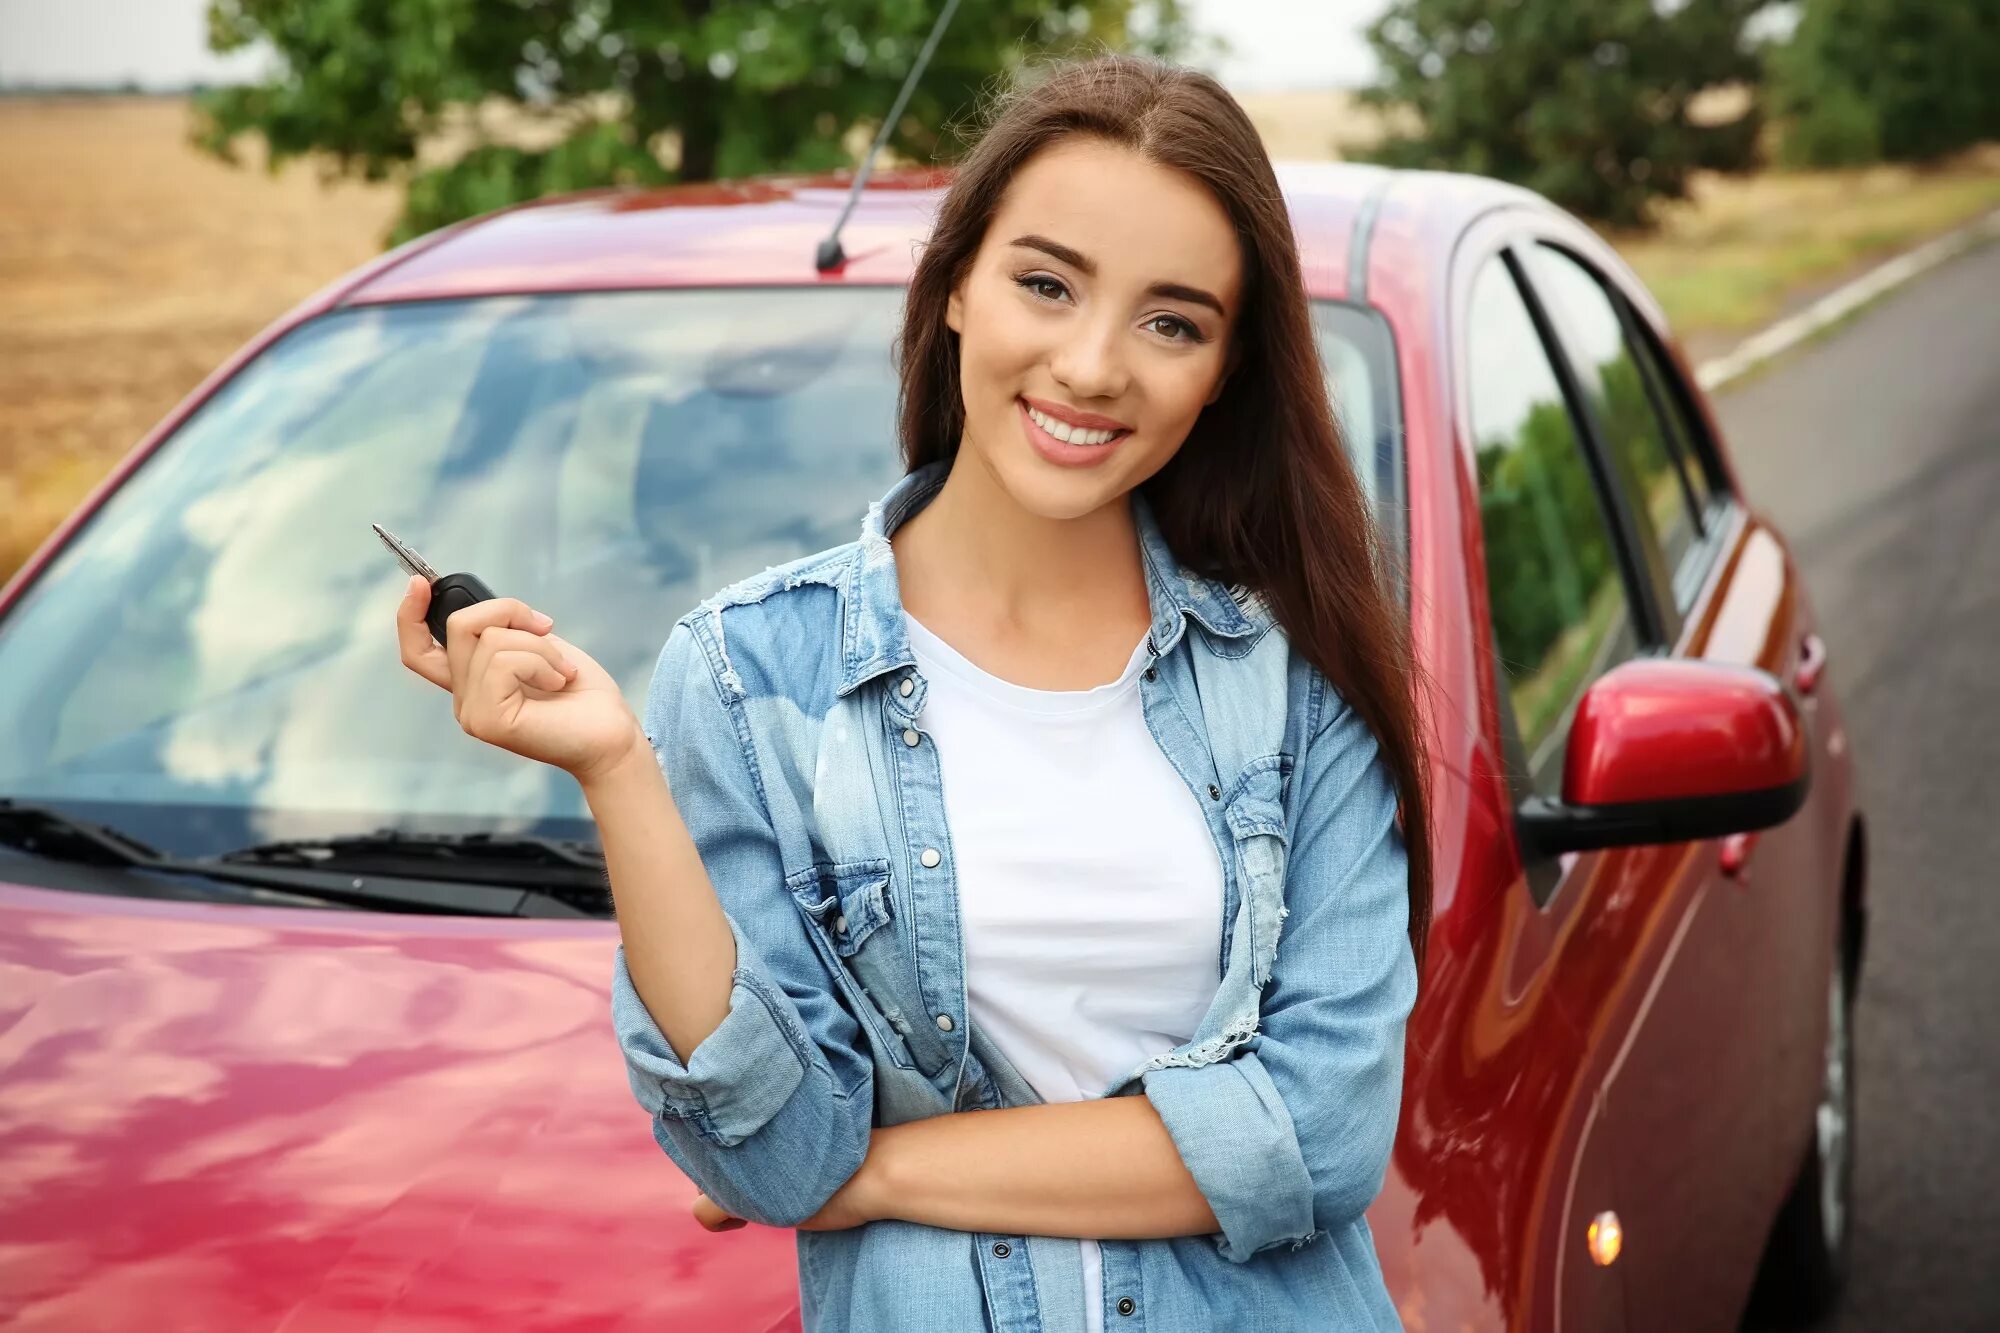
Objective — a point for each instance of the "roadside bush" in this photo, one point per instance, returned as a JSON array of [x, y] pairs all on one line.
[[1905, 80], [1585, 103]]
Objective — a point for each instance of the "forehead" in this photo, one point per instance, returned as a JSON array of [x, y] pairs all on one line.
[[1129, 215]]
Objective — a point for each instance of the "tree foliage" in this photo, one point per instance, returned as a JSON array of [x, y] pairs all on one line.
[[1908, 80], [622, 91], [1584, 103]]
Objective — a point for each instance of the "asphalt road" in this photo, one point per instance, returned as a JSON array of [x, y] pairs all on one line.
[[1877, 451]]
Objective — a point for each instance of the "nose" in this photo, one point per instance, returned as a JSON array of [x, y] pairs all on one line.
[[1090, 359]]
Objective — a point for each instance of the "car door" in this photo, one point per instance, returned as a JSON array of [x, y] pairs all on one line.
[[1692, 999], [1550, 594]]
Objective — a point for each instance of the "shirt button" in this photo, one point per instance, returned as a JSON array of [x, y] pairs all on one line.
[[840, 925], [944, 1022], [1126, 1305], [1214, 792], [930, 857], [1001, 1249], [907, 688], [1152, 673], [910, 736]]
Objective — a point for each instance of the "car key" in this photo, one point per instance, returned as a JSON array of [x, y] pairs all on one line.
[[448, 594]]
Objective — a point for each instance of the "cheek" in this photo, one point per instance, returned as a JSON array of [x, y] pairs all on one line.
[[1001, 344], [1178, 390]]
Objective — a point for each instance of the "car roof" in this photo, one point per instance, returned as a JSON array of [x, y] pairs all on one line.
[[766, 230]]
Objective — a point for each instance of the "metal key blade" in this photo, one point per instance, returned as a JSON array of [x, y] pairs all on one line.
[[408, 558]]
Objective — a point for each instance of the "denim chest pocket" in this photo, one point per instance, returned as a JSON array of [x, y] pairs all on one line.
[[1255, 815], [850, 910]]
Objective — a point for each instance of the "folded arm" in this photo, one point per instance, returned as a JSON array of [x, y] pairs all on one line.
[[1104, 1169], [1289, 1136]]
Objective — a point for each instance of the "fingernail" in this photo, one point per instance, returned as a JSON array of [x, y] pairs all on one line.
[[543, 618]]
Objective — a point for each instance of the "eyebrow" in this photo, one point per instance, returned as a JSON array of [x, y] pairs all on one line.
[[1172, 291]]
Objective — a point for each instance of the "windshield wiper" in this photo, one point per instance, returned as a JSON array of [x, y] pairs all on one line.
[[567, 869], [46, 831], [509, 886]]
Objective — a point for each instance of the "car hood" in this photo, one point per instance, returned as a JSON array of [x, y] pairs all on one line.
[[235, 1117]]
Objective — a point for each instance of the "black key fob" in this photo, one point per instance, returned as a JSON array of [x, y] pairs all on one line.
[[448, 594]]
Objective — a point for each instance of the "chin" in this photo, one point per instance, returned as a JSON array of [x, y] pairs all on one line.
[[1051, 492]]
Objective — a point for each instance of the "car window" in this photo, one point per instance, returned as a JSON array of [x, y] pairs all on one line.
[[210, 660], [1646, 456], [1356, 362], [1683, 429], [218, 636], [1561, 616]]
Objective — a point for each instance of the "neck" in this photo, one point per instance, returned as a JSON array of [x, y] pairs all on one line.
[[974, 561]]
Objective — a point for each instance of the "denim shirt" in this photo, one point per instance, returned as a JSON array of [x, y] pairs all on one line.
[[786, 712]]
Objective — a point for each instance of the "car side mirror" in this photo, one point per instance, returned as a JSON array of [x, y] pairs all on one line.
[[1672, 750]]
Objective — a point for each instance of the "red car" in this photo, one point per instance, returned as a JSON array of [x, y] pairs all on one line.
[[304, 1021]]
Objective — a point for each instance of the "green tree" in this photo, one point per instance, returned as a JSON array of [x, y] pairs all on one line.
[[1584, 103], [607, 92], [1908, 80]]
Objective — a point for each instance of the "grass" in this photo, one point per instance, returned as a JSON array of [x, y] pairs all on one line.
[[131, 265], [1745, 250]]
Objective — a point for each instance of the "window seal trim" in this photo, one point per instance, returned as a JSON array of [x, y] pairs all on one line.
[[1641, 588]]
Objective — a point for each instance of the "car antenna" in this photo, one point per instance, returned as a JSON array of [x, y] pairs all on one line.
[[830, 255]]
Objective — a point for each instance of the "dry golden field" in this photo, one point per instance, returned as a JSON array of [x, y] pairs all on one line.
[[131, 265]]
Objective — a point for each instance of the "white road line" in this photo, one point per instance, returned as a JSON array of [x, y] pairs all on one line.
[[1794, 329]]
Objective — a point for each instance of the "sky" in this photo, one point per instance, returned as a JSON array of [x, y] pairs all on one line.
[[163, 43]]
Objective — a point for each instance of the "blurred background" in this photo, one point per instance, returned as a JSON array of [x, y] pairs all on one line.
[[174, 174], [179, 172]]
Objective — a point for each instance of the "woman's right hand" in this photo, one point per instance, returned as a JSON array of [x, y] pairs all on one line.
[[516, 685]]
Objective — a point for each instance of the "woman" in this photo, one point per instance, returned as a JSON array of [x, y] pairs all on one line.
[[1072, 793]]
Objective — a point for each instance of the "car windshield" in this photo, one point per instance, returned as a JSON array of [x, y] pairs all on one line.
[[210, 662]]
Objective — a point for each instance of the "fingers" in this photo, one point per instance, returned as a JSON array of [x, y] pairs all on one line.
[[420, 652], [503, 639], [711, 1215], [505, 664], [510, 669], [463, 628], [487, 701]]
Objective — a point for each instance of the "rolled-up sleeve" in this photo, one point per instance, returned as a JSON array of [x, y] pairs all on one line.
[[740, 1075], [1290, 1136], [772, 1111]]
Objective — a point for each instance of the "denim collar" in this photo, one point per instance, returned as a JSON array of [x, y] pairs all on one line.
[[874, 639]]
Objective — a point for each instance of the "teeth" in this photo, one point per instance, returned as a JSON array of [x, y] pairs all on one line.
[[1071, 434]]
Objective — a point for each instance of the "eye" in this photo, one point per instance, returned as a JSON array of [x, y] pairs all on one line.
[[1042, 286], [1172, 323]]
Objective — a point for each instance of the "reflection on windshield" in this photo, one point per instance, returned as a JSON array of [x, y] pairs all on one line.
[[220, 634], [211, 661]]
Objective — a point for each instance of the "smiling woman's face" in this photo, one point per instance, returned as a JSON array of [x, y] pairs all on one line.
[[1094, 324]]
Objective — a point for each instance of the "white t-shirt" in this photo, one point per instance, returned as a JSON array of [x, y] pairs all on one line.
[[1090, 893]]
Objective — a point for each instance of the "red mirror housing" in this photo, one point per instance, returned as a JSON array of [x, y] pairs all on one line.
[[1673, 749]]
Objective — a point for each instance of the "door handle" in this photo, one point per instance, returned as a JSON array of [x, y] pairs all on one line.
[[1812, 663]]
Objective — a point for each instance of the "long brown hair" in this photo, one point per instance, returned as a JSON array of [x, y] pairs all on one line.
[[1262, 494]]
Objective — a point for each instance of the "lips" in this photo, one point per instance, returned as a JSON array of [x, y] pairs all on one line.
[[1064, 444], [1068, 426]]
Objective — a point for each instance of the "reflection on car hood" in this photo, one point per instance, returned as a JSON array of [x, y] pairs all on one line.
[[260, 1116]]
